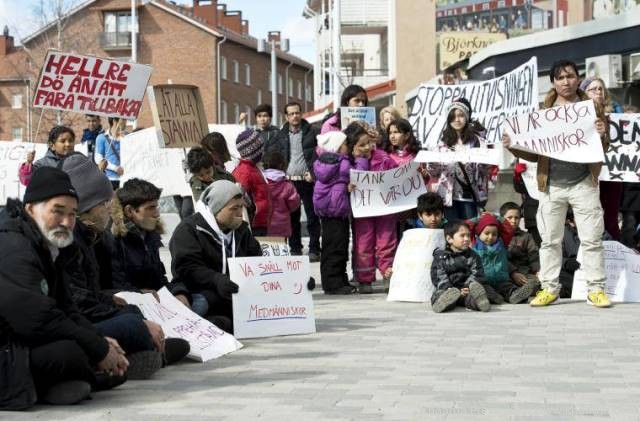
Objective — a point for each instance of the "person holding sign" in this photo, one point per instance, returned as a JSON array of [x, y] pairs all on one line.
[[107, 152], [61, 142], [562, 184], [352, 96]]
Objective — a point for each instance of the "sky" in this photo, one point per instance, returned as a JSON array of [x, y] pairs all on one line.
[[263, 15]]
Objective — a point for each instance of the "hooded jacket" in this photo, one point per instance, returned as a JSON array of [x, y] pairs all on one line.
[[524, 256], [35, 302], [284, 200], [330, 193], [254, 183]]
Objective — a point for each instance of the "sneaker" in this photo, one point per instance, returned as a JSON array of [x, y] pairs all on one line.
[[365, 289], [143, 364], [598, 299], [493, 296], [543, 298], [522, 294], [314, 257], [67, 393], [343, 290], [175, 349], [479, 294], [445, 300]]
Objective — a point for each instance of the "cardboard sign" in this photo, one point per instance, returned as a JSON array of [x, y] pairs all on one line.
[[142, 157], [350, 114], [491, 101], [530, 178], [448, 156], [207, 341], [411, 279], [566, 132], [274, 246], [12, 154], [622, 270], [91, 85], [457, 46], [178, 114], [622, 160], [273, 298], [386, 192]]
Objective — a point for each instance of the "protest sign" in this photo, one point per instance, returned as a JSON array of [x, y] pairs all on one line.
[[491, 101], [91, 85], [457, 46], [622, 271], [566, 132], [273, 298], [178, 114], [12, 154], [351, 114], [411, 279], [530, 179], [274, 246], [386, 192], [448, 156], [207, 341], [142, 157], [622, 160]]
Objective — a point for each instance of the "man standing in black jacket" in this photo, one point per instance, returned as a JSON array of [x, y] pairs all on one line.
[[297, 143], [66, 351]]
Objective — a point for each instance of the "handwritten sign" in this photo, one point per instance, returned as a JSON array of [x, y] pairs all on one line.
[[492, 101], [207, 341], [457, 46], [143, 158], [91, 85], [447, 156], [622, 270], [566, 132], [350, 114], [12, 154], [622, 161], [411, 279], [386, 192], [273, 298], [274, 246]]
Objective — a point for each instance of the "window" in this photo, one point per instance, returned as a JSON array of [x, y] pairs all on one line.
[[247, 75], [236, 72], [259, 101], [117, 21], [223, 67], [308, 93], [247, 110], [280, 84], [290, 87], [299, 89], [270, 87], [236, 113], [16, 133], [16, 101], [224, 113]]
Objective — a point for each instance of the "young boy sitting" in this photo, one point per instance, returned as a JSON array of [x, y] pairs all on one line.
[[491, 242], [524, 258], [430, 212], [457, 273], [200, 163]]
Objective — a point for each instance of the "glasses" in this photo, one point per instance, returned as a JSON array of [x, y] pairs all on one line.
[[597, 88]]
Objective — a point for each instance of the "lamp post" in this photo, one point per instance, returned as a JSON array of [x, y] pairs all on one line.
[[283, 44]]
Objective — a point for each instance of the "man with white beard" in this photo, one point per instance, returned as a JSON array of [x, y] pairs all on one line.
[[67, 356]]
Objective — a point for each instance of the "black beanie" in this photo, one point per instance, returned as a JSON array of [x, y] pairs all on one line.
[[48, 182]]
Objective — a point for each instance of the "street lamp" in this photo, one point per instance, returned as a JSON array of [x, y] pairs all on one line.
[[283, 44]]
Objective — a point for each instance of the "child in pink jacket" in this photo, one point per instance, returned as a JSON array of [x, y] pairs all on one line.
[[375, 237], [284, 197]]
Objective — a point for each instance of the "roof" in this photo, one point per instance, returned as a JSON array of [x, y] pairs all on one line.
[[14, 66]]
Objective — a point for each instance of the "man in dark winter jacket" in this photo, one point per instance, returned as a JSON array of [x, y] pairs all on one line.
[[201, 244], [264, 115], [66, 351], [297, 143]]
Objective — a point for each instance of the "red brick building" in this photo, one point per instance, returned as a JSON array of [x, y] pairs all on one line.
[[185, 45]]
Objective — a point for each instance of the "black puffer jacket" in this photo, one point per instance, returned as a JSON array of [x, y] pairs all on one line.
[[451, 269], [34, 301], [280, 143]]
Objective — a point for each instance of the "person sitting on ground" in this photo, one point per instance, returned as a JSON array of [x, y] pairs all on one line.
[[85, 271], [430, 211], [60, 142], [68, 357], [457, 273], [200, 163], [201, 244], [137, 228], [492, 238], [524, 259], [283, 195]]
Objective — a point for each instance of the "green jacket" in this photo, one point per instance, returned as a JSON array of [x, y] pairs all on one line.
[[494, 261]]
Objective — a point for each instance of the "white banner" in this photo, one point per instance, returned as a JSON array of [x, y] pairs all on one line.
[[530, 178], [491, 101], [566, 132], [273, 298], [12, 154], [351, 114], [490, 156], [379, 193], [622, 161], [207, 341], [622, 271], [142, 157], [411, 279]]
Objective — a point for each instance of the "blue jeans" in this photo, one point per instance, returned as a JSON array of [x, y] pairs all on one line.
[[460, 210], [199, 304], [129, 330]]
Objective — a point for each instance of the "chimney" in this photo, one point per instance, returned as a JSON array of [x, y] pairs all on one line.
[[232, 20], [6, 42], [206, 10], [274, 36], [245, 27]]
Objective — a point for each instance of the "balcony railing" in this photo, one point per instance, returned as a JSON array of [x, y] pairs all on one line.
[[115, 40]]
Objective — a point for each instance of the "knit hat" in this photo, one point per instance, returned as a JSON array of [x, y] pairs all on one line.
[[48, 182], [486, 220], [585, 83], [461, 104], [218, 194], [331, 141], [250, 145], [92, 185]]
